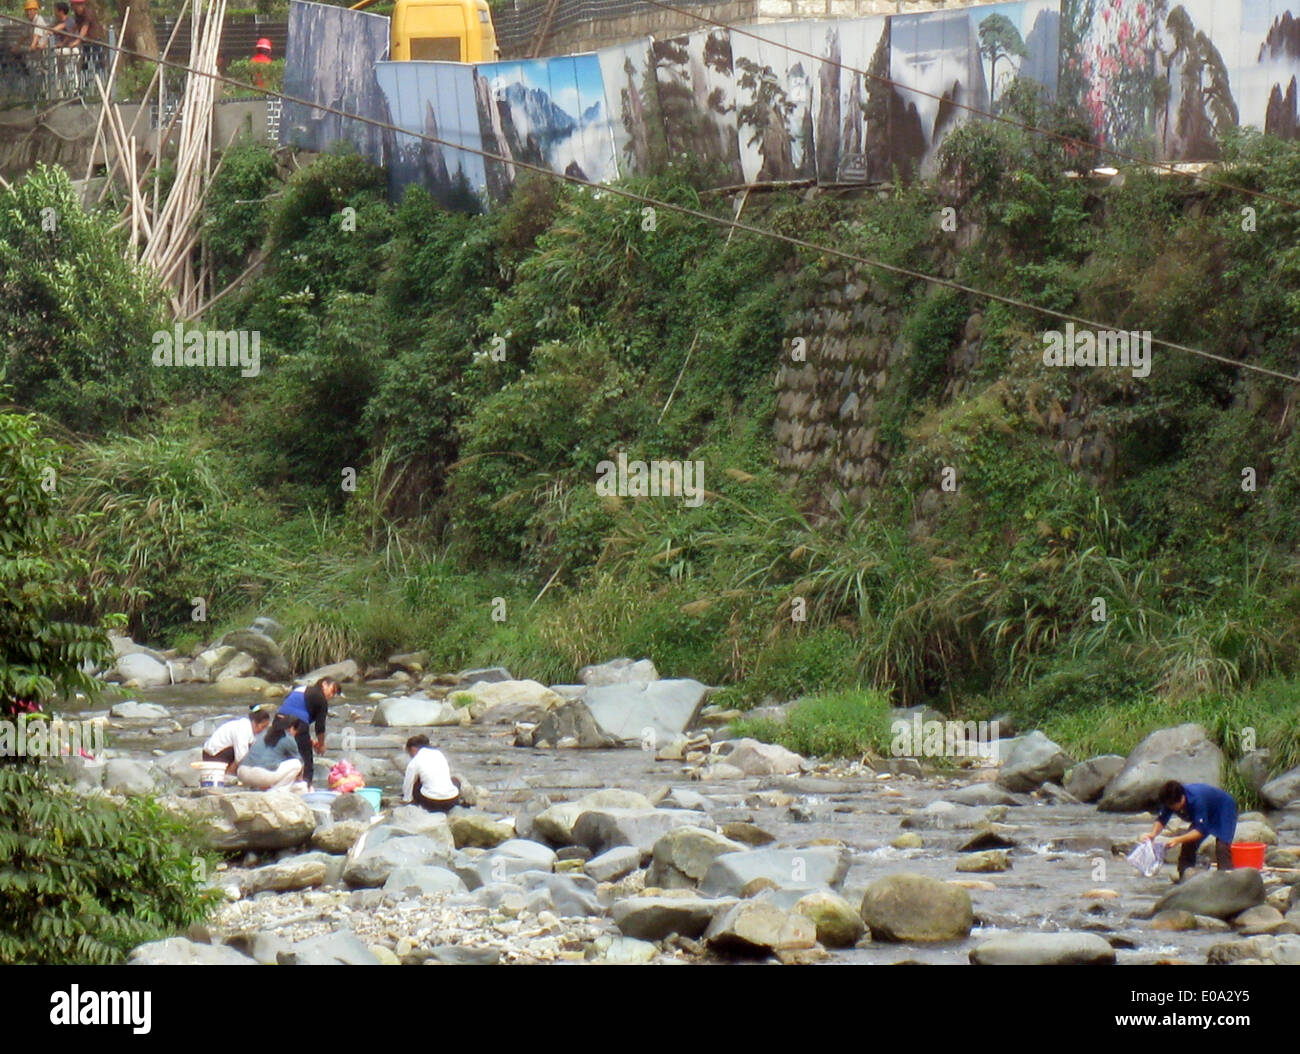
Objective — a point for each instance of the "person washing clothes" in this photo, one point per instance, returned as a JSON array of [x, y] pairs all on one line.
[[272, 761], [1212, 813], [428, 782], [230, 742], [308, 706]]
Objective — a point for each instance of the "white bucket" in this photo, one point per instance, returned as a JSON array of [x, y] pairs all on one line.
[[211, 773]]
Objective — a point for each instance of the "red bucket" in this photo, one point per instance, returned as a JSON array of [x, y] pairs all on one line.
[[1248, 854]]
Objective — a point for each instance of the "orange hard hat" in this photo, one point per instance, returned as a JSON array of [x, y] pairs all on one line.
[[31, 5]]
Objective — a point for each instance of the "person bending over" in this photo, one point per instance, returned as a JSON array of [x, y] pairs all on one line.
[[308, 706], [273, 761], [429, 782], [230, 742], [1212, 813]]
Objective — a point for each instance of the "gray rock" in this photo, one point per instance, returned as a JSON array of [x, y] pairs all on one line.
[[180, 951], [837, 922], [681, 798], [124, 776], [1088, 779], [138, 670], [239, 667], [682, 857], [654, 918], [415, 662], [178, 766], [1283, 791], [422, 881], [512, 858], [1044, 949], [618, 671], [477, 829], [572, 724], [658, 710], [411, 819], [1281, 949], [569, 896], [123, 645], [601, 829], [1033, 761], [1184, 753], [613, 864], [1220, 894], [340, 948], [1254, 768], [338, 837], [621, 951], [271, 662], [555, 822], [982, 794], [343, 672], [133, 710], [463, 955], [351, 807], [1251, 831], [245, 820], [263, 947], [267, 626], [907, 908], [490, 674], [84, 773], [412, 711], [294, 873], [820, 866], [760, 759], [759, 927], [372, 866]]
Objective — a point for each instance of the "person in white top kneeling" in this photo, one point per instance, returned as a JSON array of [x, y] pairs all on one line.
[[230, 741], [429, 782]]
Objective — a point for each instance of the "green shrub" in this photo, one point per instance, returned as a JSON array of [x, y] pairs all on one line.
[[842, 724]]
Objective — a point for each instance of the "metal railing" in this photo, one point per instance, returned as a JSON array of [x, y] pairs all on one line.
[[34, 77]]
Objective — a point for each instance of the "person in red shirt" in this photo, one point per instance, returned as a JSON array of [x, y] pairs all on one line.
[[261, 54]]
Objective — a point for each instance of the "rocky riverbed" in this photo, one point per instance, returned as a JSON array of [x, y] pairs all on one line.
[[684, 847]]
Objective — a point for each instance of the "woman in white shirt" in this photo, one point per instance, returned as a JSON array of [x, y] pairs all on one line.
[[428, 782], [230, 742]]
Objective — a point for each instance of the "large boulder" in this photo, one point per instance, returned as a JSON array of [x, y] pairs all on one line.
[[907, 907], [1282, 791], [1088, 779], [759, 927], [1044, 949], [498, 702], [618, 671], [277, 819], [471, 828], [1184, 753], [1219, 894], [181, 951], [338, 837], [654, 918], [1033, 761], [125, 776], [600, 829], [133, 710], [682, 857], [294, 873], [414, 711], [267, 626], [555, 823], [372, 866], [640, 710], [344, 671], [241, 667], [123, 645], [820, 866], [423, 881], [760, 759], [340, 948], [208, 664], [510, 858], [137, 670], [178, 766], [836, 921], [613, 864], [271, 662], [571, 724]]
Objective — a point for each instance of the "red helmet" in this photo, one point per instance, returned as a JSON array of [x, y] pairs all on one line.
[[263, 44]]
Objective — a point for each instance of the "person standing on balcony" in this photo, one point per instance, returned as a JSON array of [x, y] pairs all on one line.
[[40, 27], [65, 27], [90, 35]]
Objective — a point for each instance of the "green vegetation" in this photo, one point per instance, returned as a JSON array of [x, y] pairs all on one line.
[[470, 369]]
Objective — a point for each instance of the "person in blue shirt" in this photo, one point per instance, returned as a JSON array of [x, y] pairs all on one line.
[[308, 706], [1211, 812]]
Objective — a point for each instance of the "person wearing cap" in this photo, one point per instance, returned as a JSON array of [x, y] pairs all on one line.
[[230, 742], [308, 706], [40, 26], [261, 56]]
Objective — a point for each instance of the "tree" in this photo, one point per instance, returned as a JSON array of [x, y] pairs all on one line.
[[999, 39]]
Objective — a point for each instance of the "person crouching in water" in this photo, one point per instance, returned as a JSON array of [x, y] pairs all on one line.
[[1211, 812], [230, 742], [429, 782], [308, 706], [273, 760]]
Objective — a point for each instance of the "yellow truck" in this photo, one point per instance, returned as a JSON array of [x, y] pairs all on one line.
[[449, 30]]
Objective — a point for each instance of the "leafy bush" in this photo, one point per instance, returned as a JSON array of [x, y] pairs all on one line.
[[843, 724]]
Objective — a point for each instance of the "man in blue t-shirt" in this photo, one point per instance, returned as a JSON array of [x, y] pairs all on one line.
[[1212, 814], [309, 707]]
